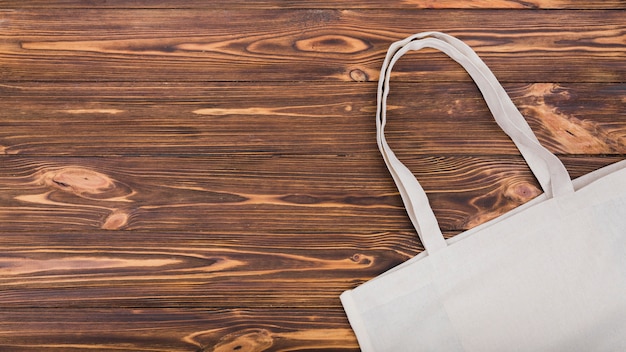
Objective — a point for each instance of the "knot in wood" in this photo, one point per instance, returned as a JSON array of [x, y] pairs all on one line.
[[247, 340], [362, 259], [332, 43], [358, 75], [116, 220], [521, 192], [79, 180], [85, 183]]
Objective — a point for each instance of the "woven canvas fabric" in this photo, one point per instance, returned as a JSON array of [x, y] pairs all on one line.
[[548, 276]]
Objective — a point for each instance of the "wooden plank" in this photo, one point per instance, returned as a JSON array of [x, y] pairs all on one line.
[[262, 194], [341, 4], [204, 271], [279, 195], [173, 330], [301, 45], [264, 118], [566, 120]]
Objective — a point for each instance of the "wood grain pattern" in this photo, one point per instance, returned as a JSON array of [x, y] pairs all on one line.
[[172, 330], [341, 4], [300, 45], [203, 176], [229, 265], [261, 194], [185, 274], [331, 119]]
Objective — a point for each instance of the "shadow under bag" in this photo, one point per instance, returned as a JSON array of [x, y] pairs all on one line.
[[547, 276]]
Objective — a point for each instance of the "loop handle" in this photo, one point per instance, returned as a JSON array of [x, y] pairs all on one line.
[[547, 168]]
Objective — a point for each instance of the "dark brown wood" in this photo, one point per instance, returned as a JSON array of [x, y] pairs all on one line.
[[204, 176], [330, 119], [232, 244], [172, 270], [176, 329], [274, 195], [341, 4], [301, 45]]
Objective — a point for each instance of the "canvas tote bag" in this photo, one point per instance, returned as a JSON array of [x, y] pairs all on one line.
[[549, 275]]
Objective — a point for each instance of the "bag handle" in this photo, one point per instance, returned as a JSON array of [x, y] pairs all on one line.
[[547, 168]]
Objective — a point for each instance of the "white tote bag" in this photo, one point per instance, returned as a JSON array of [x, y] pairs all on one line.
[[547, 276]]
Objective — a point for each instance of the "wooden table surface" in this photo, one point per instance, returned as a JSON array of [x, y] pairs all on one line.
[[203, 175]]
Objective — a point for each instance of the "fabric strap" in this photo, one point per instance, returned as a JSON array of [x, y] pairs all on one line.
[[547, 168]]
